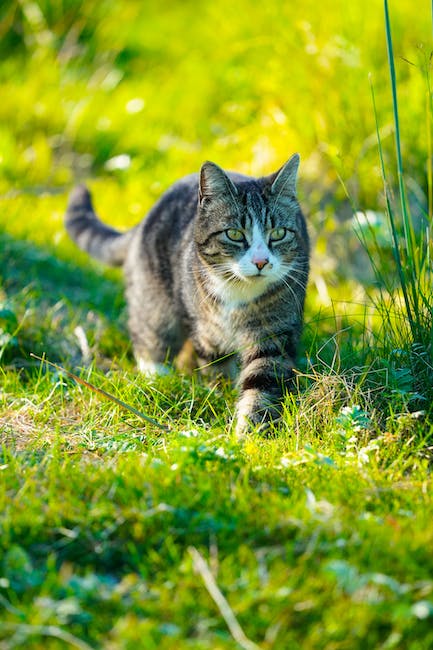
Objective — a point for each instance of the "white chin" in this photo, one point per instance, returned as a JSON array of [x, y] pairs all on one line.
[[247, 289]]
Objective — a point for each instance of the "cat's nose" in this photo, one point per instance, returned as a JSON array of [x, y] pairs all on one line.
[[261, 263]]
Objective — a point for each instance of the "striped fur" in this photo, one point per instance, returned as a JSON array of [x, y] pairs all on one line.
[[221, 260]]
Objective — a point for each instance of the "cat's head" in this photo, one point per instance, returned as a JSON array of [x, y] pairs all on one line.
[[250, 233]]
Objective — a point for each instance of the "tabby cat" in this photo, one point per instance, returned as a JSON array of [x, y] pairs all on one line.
[[221, 259]]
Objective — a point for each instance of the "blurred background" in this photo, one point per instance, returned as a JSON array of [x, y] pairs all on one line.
[[132, 95]]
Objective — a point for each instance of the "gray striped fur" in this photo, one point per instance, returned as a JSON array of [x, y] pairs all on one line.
[[190, 277]]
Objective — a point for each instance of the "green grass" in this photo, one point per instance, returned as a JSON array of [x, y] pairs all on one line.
[[318, 538]]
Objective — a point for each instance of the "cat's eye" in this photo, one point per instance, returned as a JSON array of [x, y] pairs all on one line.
[[277, 234], [234, 234]]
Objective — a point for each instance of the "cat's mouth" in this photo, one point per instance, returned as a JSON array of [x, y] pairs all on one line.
[[247, 277], [255, 277], [240, 278]]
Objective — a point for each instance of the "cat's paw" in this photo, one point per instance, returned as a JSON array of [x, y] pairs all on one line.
[[258, 416], [152, 369]]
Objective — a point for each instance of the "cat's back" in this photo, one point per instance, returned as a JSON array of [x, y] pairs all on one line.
[[175, 209]]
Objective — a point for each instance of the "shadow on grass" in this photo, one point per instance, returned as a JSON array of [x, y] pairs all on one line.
[[43, 299]]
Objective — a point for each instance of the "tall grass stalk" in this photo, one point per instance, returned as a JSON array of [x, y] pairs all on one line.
[[406, 309], [412, 269], [393, 225]]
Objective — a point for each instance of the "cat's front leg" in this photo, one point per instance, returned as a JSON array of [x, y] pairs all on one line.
[[267, 372]]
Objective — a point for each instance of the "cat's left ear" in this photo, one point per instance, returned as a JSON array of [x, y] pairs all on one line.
[[214, 182], [284, 181]]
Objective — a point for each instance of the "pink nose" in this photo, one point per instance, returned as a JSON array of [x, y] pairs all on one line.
[[260, 263]]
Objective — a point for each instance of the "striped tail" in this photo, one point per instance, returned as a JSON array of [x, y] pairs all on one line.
[[90, 234]]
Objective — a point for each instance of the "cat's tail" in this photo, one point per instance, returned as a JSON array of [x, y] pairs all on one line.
[[90, 234]]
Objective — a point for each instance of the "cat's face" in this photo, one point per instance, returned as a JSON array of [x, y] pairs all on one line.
[[249, 234]]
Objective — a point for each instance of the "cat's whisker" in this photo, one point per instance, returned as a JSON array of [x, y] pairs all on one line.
[[297, 281], [295, 300]]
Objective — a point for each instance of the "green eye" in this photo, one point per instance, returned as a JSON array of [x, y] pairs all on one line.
[[234, 234], [277, 234]]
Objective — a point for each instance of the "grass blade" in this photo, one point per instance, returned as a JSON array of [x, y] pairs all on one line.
[[407, 224], [219, 599], [102, 392], [395, 245], [53, 631], [412, 257]]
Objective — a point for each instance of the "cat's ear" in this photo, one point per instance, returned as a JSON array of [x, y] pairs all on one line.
[[214, 182], [284, 181]]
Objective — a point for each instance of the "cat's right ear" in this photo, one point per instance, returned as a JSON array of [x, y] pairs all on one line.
[[214, 183]]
